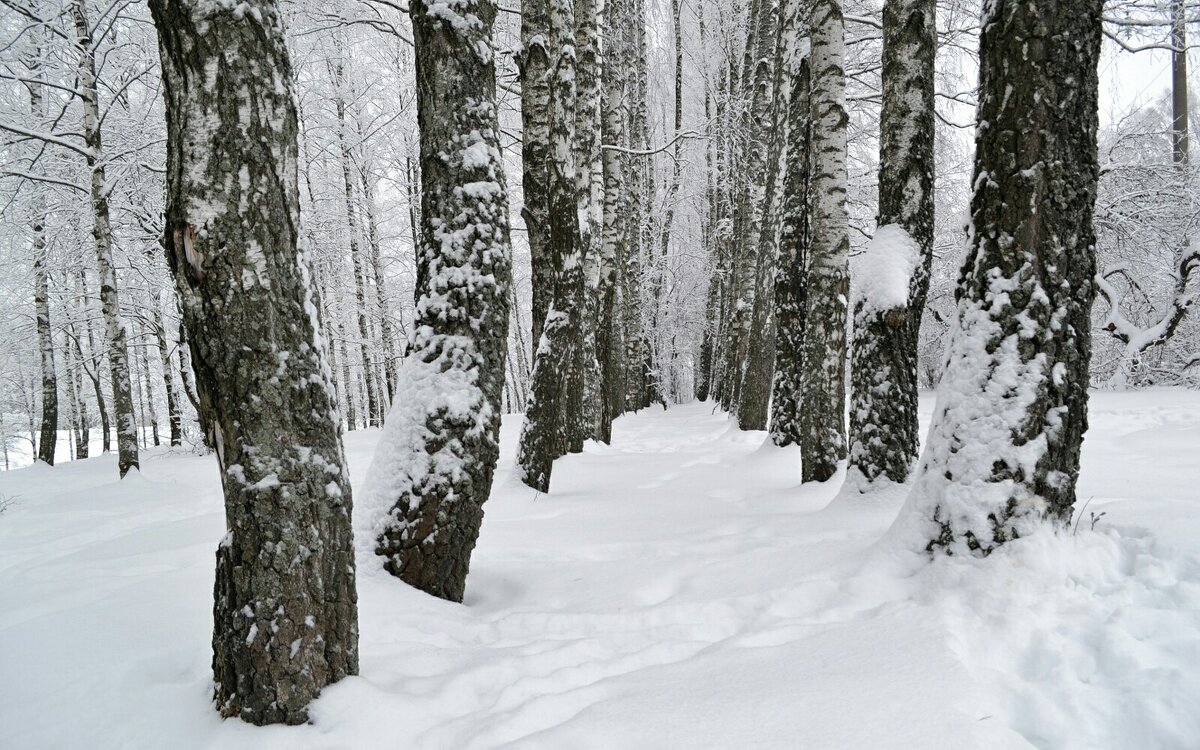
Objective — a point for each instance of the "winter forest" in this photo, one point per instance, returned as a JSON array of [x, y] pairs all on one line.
[[829, 368]]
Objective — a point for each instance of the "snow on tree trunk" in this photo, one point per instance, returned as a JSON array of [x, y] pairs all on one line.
[[823, 378], [381, 301], [791, 266], [553, 418], [884, 436], [535, 64], [115, 328], [434, 464], [1003, 450], [285, 612]]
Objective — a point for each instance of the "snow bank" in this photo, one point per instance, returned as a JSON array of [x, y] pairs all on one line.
[[679, 588]]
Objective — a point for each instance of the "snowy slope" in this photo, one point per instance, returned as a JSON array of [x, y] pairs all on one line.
[[675, 590]]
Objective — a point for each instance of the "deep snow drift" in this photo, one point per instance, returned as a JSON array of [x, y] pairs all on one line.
[[678, 589]]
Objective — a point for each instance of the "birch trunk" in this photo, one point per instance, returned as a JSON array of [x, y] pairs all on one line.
[[823, 378], [884, 435], [117, 333], [285, 611], [535, 153], [434, 467], [1003, 451], [791, 267], [553, 418]]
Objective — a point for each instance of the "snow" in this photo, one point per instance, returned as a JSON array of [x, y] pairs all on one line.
[[881, 273], [676, 589]]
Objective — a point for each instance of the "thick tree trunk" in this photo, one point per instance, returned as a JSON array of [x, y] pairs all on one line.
[[536, 78], [791, 267], [553, 418], [823, 378], [117, 334], [1003, 450], [433, 469], [884, 438], [285, 612]]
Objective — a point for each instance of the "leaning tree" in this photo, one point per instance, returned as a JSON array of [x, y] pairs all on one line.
[[434, 465], [285, 617]]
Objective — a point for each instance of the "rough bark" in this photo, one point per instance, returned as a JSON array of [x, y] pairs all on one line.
[[1003, 450], [440, 446], [553, 418], [791, 268], [48, 438], [1179, 83], [285, 611], [884, 438], [117, 333], [823, 377]]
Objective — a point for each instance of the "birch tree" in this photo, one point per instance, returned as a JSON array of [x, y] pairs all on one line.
[[822, 421], [117, 333], [285, 615], [1003, 451], [553, 418], [892, 275], [433, 468]]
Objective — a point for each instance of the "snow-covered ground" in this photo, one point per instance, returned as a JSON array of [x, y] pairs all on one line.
[[678, 589]]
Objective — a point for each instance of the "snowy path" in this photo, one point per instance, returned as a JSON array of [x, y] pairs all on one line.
[[675, 590]]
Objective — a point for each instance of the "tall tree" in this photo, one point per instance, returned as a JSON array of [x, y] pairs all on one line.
[[791, 266], [614, 230], [285, 612], [434, 466], [892, 277], [553, 418], [1003, 451], [535, 152], [823, 377], [48, 438], [110, 302]]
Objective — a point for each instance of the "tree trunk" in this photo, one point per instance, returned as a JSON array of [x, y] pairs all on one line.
[[884, 438], [791, 267], [118, 348], [1179, 83], [382, 301], [615, 230], [553, 418], [822, 421], [356, 260], [589, 180], [41, 293], [174, 416], [536, 78], [285, 612], [1003, 450], [438, 452]]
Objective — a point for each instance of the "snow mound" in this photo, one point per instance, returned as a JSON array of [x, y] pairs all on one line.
[[881, 273]]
